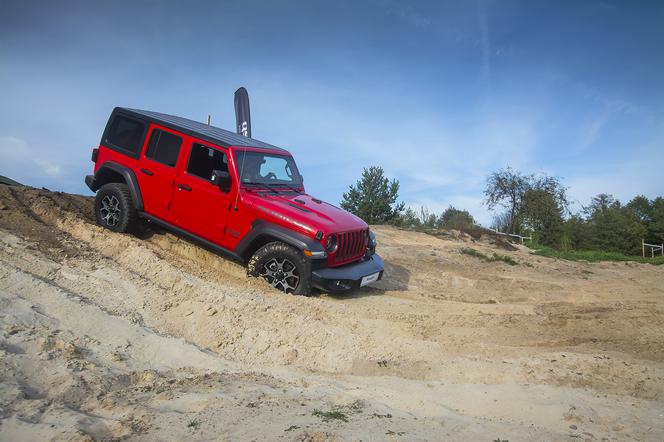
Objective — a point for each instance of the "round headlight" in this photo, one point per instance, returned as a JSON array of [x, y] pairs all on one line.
[[331, 243]]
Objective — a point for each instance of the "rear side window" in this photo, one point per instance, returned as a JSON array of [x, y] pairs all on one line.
[[203, 160], [126, 134], [164, 147]]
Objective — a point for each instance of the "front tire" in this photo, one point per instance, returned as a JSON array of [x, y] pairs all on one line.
[[114, 208], [283, 267]]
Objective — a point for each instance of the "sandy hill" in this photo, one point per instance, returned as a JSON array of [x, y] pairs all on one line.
[[107, 336]]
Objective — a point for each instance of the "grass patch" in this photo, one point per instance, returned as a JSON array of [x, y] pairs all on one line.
[[486, 258], [592, 255], [475, 253], [327, 416], [193, 424]]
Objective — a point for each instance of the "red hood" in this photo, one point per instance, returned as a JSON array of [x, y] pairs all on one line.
[[304, 211]]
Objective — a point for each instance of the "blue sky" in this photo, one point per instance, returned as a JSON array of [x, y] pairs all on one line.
[[437, 93]]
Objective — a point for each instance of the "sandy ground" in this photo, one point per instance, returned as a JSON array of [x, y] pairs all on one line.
[[106, 336]]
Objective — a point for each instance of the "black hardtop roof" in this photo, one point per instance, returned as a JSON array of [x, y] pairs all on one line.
[[212, 134]]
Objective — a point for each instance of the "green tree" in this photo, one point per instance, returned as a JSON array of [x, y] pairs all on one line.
[[543, 207], [373, 198], [408, 218], [656, 224], [544, 215], [614, 227], [453, 218], [578, 232], [600, 203], [506, 188], [642, 208], [530, 202], [651, 215]]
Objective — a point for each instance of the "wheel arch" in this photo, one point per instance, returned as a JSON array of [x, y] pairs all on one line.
[[112, 172], [264, 232]]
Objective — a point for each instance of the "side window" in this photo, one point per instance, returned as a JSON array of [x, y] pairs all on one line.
[[126, 134], [203, 160], [164, 147]]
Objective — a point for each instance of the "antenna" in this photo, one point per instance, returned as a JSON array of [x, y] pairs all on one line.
[[209, 117], [237, 195]]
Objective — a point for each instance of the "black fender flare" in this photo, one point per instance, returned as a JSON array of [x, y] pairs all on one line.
[[99, 179], [263, 232]]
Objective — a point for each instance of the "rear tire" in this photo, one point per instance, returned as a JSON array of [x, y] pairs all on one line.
[[283, 267], [114, 208]]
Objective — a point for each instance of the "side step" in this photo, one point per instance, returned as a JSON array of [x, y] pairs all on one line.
[[190, 236]]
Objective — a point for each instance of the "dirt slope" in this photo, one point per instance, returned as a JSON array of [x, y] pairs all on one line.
[[111, 336]]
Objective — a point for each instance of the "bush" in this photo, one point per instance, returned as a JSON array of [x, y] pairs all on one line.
[[453, 218], [613, 227]]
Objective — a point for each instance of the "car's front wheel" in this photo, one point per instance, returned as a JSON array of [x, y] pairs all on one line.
[[283, 267]]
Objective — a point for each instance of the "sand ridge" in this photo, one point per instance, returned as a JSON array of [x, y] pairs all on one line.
[[447, 345]]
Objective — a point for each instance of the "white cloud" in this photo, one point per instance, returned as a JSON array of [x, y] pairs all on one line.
[[438, 159], [22, 162], [593, 130], [613, 104], [610, 111]]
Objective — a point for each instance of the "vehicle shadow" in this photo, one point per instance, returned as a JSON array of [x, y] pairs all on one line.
[[395, 278], [145, 230]]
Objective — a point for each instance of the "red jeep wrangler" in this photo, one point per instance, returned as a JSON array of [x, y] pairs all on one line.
[[234, 195]]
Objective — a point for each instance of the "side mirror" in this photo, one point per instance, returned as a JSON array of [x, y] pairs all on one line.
[[221, 179]]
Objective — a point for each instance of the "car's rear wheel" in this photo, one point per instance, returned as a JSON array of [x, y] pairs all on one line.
[[282, 266], [114, 208]]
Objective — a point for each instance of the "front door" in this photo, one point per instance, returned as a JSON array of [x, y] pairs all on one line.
[[158, 169], [198, 205]]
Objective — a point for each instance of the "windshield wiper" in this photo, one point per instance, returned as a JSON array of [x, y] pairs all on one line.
[[266, 185], [273, 186], [294, 189]]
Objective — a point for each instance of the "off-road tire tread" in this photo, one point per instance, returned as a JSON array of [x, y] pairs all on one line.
[[269, 250], [129, 216]]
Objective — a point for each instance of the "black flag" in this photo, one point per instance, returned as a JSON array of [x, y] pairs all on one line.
[[242, 114]]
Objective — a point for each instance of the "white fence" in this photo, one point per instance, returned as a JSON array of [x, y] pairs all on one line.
[[652, 247], [514, 235]]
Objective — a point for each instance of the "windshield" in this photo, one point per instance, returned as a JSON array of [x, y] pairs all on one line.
[[267, 168]]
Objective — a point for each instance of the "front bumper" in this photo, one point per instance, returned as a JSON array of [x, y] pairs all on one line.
[[347, 277]]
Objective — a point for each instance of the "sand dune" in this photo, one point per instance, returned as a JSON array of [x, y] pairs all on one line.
[[108, 336]]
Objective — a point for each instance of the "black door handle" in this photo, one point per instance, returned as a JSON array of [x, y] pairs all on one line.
[[184, 187], [147, 172]]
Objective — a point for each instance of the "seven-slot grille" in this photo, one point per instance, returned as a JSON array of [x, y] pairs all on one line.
[[351, 244]]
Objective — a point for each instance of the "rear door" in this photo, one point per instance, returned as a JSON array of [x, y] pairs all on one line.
[[158, 170], [198, 205]]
